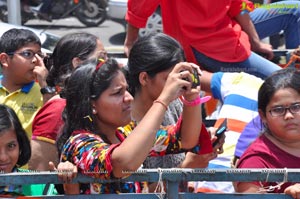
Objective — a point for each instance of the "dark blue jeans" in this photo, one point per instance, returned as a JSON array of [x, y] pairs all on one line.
[[272, 18], [255, 65]]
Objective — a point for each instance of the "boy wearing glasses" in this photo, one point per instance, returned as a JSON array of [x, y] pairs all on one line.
[[23, 74]]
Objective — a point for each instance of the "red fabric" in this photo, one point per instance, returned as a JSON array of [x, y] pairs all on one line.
[[263, 153], [206, 25], [51, 111], [204, 145], [84, 158], [205, 141]]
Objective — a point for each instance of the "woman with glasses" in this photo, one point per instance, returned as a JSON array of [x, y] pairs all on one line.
[[279, 144], [70, 51]]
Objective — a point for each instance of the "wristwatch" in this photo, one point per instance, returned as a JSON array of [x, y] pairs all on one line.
[[48, 90]]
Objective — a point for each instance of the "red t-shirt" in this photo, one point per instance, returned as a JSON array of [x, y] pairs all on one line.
[[48, 121], [263, 153], [206, 25]]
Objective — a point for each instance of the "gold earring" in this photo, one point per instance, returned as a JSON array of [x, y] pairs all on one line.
[[89, 117]]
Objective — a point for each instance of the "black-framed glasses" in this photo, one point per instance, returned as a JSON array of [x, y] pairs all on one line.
[[27, 54], [281, 110]]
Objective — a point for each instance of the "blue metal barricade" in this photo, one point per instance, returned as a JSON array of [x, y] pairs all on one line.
[[172, 177]]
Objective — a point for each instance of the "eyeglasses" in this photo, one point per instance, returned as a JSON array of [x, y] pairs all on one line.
[[27, 54], [281, 110]]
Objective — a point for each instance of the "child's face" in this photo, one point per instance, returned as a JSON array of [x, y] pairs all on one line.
[[285, 128], [9, 150], [21, 66]]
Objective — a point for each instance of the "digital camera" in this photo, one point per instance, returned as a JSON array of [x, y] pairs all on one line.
[[195, 78]]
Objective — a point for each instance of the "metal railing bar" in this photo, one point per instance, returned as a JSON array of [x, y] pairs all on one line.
[[172, 175]]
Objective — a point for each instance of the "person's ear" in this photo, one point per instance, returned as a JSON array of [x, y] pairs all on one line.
[[262, 116], [76, 62], [143, 78], [4, 60]]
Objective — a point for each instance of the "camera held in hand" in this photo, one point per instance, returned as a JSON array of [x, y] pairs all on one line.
[[195, 78]]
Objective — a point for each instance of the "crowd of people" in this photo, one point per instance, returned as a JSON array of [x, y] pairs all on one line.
[[85, 113]]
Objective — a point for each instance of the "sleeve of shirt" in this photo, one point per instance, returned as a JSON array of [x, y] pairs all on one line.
[[252, 161], [168, 141], [48, 121], [216, 85], [204, 145], [138, 11], [223, 83], [90, 154], [238, 6]]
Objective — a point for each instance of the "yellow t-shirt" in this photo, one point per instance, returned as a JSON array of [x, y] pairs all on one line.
[[25, 102]]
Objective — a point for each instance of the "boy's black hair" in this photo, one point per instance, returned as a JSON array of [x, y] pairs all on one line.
[[15, 38], [10, 120]]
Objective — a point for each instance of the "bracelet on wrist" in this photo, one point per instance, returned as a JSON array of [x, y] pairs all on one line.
[[160, 102], [196, 101]]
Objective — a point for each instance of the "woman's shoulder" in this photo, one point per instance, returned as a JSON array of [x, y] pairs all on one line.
[[257, 150], [263, 153], [83, 142], [84, 135]]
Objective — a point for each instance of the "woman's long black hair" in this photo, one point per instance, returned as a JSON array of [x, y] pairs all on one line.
[[153, 53], [86, 83]]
